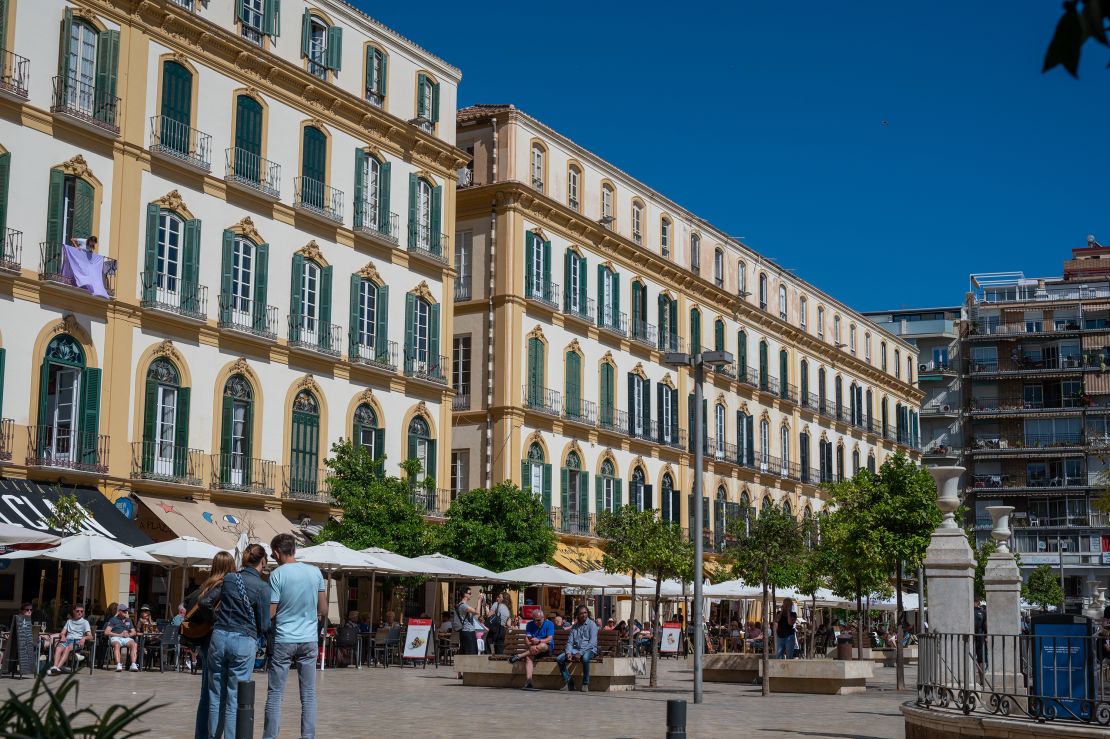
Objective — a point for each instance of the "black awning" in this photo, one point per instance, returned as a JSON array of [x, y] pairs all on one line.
[[27, 504]]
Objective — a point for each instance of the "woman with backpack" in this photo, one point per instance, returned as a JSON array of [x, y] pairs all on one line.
[[497, 620], [467, 622], [196, 629], [786, 635]]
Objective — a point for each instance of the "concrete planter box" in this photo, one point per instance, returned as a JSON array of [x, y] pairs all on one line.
[[611, 674], [728, 668], [888, 656], [822, 676]]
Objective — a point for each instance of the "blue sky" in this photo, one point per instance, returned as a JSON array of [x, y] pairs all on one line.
[[766, 118]]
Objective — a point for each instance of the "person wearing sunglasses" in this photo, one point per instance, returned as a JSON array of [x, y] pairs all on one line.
[[74, 635], [121, 634]]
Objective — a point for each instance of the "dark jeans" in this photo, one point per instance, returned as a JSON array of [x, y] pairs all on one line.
[[201, 731], [468, 642], [565, 658], [495, 640]]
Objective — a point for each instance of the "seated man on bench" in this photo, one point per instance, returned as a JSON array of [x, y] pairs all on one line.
[[581, 647], [541, 636]]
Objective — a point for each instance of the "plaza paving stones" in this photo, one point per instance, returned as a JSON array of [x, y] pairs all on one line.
[[397, 703]]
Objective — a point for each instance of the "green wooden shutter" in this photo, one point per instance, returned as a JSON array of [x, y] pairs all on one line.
[[3, 354], [248, 443], [177, 103], [412, 210], [225, 276], [335, 48], [740, 441], [546, 497], [569, 286], [665, 505], [325, 308], [181, 434], [719, 336], [107, 69], [784, 374], [433, 337], [436, 236], [618, 494], [150, 419], [190, 266], [695, 331], [5, 175], [432, 459], [564, 490], [763, 380], [295, 307], [633, 411], [637, 291], [674, 415], [384, 226], [421, 109], [529, 240], [261, 278], [599, 494], [153, 213], [600, 295], [525, 475], [573, 382], [271, 18], [435, 102], [90, 412], [383, 80], [82, 209], [353, 315], [581, 286], [410, 332], [546, 287], [225, 439], [381, 330], [44, 420], [360, 188], [583, 499], [64, 71], [749, 421], [306, 33], [248, 140]]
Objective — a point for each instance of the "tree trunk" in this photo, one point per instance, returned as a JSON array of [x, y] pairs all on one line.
[[900, 670], [766, 637], [653, 680], [812, 627], [859, 620]]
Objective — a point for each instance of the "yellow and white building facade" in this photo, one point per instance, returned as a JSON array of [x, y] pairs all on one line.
[[272, 184], [574, 280]]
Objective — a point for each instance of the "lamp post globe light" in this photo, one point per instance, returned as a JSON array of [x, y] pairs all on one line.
[[697, 363]]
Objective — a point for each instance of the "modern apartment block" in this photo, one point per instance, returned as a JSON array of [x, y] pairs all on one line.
[[574, 280], [273, 184], [1038, 412]]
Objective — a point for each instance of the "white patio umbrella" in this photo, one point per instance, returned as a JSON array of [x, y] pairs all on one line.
[[414, 566], [545, 574], [19, 536], [184, 552], [733, 590], [459, 569]]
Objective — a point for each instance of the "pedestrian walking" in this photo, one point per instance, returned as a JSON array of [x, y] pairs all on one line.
[[197, 630], [786, 632], [243, 616], [297, 603]]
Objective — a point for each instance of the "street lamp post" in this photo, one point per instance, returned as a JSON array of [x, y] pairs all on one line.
[[697, 363]]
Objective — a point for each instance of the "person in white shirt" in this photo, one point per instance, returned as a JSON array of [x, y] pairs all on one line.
[[74, 635]]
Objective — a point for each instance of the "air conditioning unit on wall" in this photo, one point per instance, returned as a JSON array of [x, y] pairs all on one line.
[[923, 367]]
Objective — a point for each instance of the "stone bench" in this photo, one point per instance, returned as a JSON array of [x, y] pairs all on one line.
[[821, 676], [728, 668], [609, 674], [887, 656]]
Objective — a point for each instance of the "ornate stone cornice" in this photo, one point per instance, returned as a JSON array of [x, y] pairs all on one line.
[[246, 228], [240, 367], [424, 292], [370, 273], [173, 201], [308, 382], [574, 346], [311, 250], [167, 349], [366, 396], [536, 333], [77, 166]]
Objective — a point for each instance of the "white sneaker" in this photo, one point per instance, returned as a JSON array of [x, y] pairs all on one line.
[[80, 657], [119, 667], [53, 671], [134, 666]]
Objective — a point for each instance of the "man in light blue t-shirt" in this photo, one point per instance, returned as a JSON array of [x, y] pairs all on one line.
[[297, 602]]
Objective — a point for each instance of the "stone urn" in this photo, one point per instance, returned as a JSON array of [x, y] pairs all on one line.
[[948, 493], [1102, 596], [1000, 514]]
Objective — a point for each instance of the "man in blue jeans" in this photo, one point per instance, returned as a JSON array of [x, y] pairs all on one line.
[[297, 602], [581, 647]]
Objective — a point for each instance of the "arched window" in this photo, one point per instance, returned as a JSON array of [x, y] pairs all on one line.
[[91, 60], [575, 515], [784, 444], [538, 167], [665, 236], [608, 488], [820, 322], [871, 462], [836, 330], [177, 114], [719, 430], [421, 338], [767, 503], [764, 445], [607, 214], [422, 448], [719, 267], [639, 493], [803, 384], [741, 279], [171, 263], [248, 167], [855, 462], [237, 466], [637, 221], [535, 395], [425, 207], [370, 322], [609, 299], [310, 191], [762, 291], [719, 335], [840, 462], [574, 185], [607, 396], [868, 420], [668, 499], [165, 424], [882, 356], [745, 501], [372, 186], [695, 253], [867, 347], [784, 312], [367, 433], [786, 508], [304, 446], [852, 338], [909, 369], [897, 364], [377, 73], [803, 311], [535, 475]]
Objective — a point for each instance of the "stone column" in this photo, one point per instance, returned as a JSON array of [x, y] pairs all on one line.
[[950, 563], [1002, 580]]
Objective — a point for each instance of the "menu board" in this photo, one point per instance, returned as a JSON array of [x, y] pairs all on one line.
[[416, 638], [672, 637], [21, 647]]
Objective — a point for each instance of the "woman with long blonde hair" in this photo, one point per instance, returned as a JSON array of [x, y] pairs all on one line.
[[222, 564]]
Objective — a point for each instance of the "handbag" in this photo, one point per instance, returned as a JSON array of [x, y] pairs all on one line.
[[196, 627]]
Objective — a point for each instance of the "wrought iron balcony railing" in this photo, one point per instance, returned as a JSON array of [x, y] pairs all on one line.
[[543, 292], [179, 141], [316, 197], [461, 402], [242, 474], [7, 438], [53, 268], [612, 320], [671, 343], [426, 241], [304, 482], [251, 170], [311, 333], [580, 411], [67, 448], [170, 293], [462, 288], [432, 502], [86, 103], [364, 350], [11, 251], [543, 399], [248, 316], [581, 308], [15, 73], [163, 462], [425, 366], [645, 333], [613, 419], [369, 221], [578, 523]]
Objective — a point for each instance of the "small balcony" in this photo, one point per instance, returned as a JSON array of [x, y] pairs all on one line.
[[314, 335], [173, 295], [581, 411], [7, 439], [66, 448], [11, 251], [645, 333], [575, 523], [1030, 444], [461, 401], [612, 320], [86, 104], [380, 354], [317, 198], [1023, 481], [54, 268], [177, 141], [543, 400], [161, 462], [749, 376], [582, 309], [301, 482], [384, 227], [1063, 326], [251, 171], [671, 343], [547, 293], [424, 366], [667, 435], [725, 370], [237, 473], [462, 289], [426, 242], [612, 419], [432, 502], [15, 74], [248, 316], [1019, 405]]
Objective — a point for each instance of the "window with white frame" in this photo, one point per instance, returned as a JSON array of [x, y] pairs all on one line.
[[719, 429], [803, 309], [821, 321], [665, 236], [168, 264], [637, 222], [537, 167], [867, 347], [252, 20], [852, 338], [310, 301], [574, 178], [607, 204], [762, 291], [897, 364], [741, 279], [764, 445], [366, 326], [719, 267], [784, 444], [695, 253], [242, 276], [784, 311], [882, 355], [318, 48], [836, 329]]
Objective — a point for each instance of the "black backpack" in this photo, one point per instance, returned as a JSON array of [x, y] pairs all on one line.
[[347, 636]]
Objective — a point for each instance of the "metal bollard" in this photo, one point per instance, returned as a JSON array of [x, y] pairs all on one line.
[[676, 719], [244, 717]]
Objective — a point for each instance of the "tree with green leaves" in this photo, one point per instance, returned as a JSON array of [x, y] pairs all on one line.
[[377, 510], [815, 562], [767, 550], [1043, 588], [66, 514], [499, 528], [1082, 20], [640, 542]]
